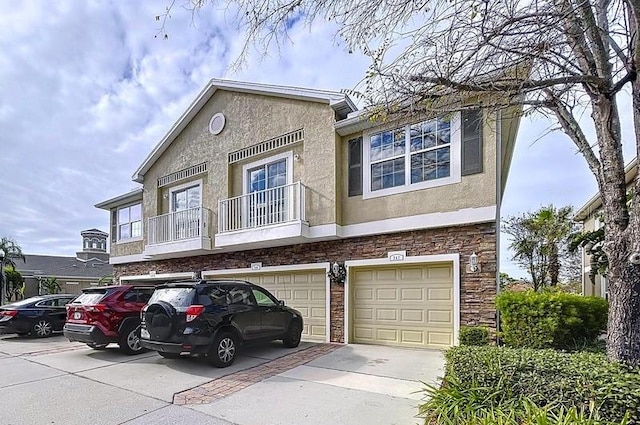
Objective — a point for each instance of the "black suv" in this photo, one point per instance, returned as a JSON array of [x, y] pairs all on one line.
[[215, 318]]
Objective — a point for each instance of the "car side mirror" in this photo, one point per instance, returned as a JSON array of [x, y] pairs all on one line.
[[280, 303]]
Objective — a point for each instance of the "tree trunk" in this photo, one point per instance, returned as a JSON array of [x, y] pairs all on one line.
[[554, 266], [623, 279]]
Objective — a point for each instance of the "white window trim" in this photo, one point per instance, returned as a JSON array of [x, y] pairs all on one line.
[[245, 168], [455, 158], [182, 187], [127, 240]]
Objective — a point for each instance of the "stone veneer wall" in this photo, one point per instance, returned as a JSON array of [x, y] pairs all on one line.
[[478, 290]]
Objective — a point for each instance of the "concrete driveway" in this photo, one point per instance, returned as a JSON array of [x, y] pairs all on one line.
[[53, 381]]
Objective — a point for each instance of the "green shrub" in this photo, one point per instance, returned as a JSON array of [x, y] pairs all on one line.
[[474, 335], [479, 379], [550, 319]]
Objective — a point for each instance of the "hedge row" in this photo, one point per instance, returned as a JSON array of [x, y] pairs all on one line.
[[582, 381], [550, 319]]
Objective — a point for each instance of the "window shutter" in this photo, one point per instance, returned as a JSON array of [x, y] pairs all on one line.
[[355, 167], [114, 225], [471, 141]]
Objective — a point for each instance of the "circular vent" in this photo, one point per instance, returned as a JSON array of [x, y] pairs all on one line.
[[216, 125]]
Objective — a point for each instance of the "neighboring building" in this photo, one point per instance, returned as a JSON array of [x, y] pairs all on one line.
[[275, 184], [89, 267], [589, 216]]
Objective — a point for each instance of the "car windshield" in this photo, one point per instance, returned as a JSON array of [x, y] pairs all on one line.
[[177, 297], [23, 302], [90, 298]]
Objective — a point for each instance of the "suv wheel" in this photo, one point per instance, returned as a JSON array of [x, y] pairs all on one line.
[[129, 339], [293, 335], [223, 350]]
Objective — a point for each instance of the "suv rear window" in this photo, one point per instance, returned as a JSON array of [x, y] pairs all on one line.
[[90, 298], [177, 297]]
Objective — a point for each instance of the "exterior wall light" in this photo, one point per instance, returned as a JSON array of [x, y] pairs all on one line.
[[337, 273], [474, 264]]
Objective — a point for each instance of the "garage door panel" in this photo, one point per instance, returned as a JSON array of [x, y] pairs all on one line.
[[406, 306], [440, 316], [303, 290], [412, 315], [412, 336], [364, 313], [386, 314], [386, 294], [439, 294], [363, 294], [412, 294]]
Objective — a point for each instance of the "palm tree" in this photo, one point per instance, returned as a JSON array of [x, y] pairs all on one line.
[[555, 227], [11, 251]]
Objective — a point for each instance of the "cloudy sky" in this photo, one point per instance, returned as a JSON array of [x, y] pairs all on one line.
[[87, 90]]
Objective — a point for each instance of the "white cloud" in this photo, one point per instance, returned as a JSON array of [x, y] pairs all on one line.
[[87, 91]]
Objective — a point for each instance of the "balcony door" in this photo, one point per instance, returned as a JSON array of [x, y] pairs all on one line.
[[185, 211], [268, 202]]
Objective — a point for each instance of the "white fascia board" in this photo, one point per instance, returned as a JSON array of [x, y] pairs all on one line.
[[159, 276], [423, 221], [134, 195], [123, 259], [266, 269]]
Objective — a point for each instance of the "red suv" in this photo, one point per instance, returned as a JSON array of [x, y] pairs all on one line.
[[108, 314]]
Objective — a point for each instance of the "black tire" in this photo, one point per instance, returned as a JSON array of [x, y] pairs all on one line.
[[159, 318], [223, 350], [293, 335], [97, 346], [129, 339], [169, 355], [41, 328]]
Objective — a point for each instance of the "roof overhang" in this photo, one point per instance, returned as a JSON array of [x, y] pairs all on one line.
[[340, 102], [134, 195], [595, 203]]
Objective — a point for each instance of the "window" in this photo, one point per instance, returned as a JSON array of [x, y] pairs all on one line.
[[185, 198], [263, 299], [355, 167], [130, 222], [269, 199], [411, 157]]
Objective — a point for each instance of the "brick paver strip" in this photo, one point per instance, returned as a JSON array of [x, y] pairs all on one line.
[[229, 384]]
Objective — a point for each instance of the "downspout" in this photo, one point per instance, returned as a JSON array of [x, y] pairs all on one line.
[[498, 208]]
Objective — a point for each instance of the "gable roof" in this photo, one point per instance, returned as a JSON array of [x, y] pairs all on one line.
[[340, 103], [53, 266], [594, 204]]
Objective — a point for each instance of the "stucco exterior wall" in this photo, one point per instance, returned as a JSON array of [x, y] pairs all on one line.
[[473, 191], [119, 249], [250, 119]]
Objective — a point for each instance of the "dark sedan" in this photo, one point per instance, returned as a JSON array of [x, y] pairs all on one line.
[[39, 316]]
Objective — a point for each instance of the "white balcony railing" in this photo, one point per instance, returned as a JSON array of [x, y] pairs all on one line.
[[263, 208], [180, 225]]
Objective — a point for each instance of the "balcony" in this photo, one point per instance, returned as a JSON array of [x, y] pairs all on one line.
[[181, 231], [266, 215]]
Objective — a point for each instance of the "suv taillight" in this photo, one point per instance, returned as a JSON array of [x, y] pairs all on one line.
[[96, 308], [9, 313], [144, 310], [193, 311]]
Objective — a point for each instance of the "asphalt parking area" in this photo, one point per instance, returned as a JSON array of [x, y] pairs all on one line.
[[53, 381]]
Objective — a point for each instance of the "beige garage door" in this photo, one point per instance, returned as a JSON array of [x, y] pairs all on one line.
[[406, 306], [303, 290]]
